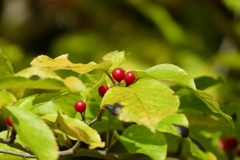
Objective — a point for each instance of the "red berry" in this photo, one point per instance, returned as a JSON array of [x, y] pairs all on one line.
[[80, 106], [129, 77], [118, 74], [8, 121], [223, 144], [102, 90], [231, 142]]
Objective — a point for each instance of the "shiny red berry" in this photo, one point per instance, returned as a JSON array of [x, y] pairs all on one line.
[[102, 90], [129, 77], [231, 142], [80, 106], [8, 121], [118, 74]]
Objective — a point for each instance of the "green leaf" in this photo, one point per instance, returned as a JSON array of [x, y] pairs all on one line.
[[212, 104], [75, 84], [63, 104], [77, 129], [33, 132], [205, 82], [139, 139], [62, 62], [26, 102], [6, 98], [6, 68], [199, 153], [33, 77], [171, 73], [40, 73], [25, 83], [167, 124], [146, 102], [118, 59]]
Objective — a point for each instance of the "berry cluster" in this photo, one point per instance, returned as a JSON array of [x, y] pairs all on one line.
[[230, 145], [118, 74]]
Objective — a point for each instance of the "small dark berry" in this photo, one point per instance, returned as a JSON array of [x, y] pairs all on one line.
[[118, 74], [129, 77], [8, 121], [102, 90], [80, 106]]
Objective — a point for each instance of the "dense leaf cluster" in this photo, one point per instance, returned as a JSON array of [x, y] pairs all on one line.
[[149, 111]]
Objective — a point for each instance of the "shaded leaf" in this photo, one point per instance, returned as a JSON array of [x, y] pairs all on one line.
[[205, 82], [167, 124], [146, 102], [77, 129], [6, 68], [25, 83], [139, 139], [33, 132], [197, 152], [62, 103], [6, 98], [212, 104]]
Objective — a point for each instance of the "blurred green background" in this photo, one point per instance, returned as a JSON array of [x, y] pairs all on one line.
[[200, 36]]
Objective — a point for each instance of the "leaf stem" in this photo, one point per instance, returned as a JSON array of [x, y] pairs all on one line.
[[109, 76], [98, 118]]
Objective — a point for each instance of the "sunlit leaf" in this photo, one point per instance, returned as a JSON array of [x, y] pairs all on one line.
[[172, 73], [6, 98], [146, 102], [40, 73], [62, 62], [75, 84], [33, 132], [139, 139], [118, 59], [77, 129], [26, 102]]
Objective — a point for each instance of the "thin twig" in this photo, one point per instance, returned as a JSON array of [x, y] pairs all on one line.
[[15, 145], [109, 76], [12, 137], [98, 118], [24, 155]]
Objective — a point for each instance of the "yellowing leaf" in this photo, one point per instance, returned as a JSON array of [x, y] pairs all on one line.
[[77, 129], [62, 62], [75, 84]]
